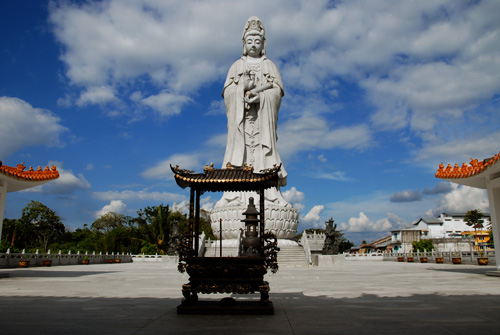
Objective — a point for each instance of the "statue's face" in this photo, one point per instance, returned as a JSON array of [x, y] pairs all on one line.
[[253, 45]]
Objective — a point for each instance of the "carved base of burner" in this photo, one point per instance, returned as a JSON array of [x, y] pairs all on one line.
[[231, 275], [279, 220]]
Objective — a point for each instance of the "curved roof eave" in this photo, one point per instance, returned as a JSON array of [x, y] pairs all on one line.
[[478, 174], [17, 179]]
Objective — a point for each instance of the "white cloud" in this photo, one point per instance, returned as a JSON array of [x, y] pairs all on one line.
[[207, 203], [23, 126], [458, 150], [115, 42], [294, 197], [311, 132], [313, 216], [138, 195], [364, 224], [378, 207], [425, 66], [96, 95], [322, 159], [162, 170], [217, 107], [440, 188], [166, 103], [406, 196], [182, 207], [116, 206], [460, 200], [337, 175], [218, 141]]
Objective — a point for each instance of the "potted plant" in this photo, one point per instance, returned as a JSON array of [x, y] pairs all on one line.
[[401, 259], [24, 262], [110, 260], [482, 260], [46, 262], [409, 259], [457, 259], [423, 246], [85, 260], [423, 258], [439, 258], [118, 260]]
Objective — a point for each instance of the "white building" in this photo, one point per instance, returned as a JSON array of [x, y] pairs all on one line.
[[446, 231], [447, 225]]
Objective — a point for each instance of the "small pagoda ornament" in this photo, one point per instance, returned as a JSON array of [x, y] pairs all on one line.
[[250, 242]]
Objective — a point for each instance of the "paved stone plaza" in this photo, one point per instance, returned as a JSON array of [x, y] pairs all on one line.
[[354, 298]]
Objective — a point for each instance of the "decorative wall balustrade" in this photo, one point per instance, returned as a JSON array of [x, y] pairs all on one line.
[[364, 257], [466, 256], [11, 260]]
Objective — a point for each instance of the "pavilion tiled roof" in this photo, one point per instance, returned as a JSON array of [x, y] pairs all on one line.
[[228, 179], [475, 167], [37, 175]]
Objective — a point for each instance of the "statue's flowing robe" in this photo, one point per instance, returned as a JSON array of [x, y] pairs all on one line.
[[267, 118]]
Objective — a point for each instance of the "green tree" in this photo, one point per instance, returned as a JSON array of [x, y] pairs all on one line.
[[109, 221], [113, 232], [15, 235], [345, 245], [474, 218], [205, 224], [154, 226], [43, 223], [423, 245]]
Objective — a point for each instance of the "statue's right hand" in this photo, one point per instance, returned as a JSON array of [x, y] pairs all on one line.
[[248, 84]]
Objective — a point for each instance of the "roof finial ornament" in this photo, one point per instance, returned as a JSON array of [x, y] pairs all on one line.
[[209, 168]]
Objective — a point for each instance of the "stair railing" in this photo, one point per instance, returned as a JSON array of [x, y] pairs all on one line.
[[307, 249]]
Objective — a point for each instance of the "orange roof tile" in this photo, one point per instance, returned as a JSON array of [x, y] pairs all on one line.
[[30, 175], [476, 167]]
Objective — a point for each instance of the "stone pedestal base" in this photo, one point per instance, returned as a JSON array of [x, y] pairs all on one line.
[[280, 220]]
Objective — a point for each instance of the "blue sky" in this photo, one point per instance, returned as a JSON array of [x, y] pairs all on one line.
[[377, 94]]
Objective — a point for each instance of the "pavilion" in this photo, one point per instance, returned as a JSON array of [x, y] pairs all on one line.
[[16, 179], [483, 174]]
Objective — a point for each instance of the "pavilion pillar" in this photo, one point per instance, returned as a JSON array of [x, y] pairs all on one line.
[[3, 197], [261, 217], [494, 199], [197, 224], [191, 217]]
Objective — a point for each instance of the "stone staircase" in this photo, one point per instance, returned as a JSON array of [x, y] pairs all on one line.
[[292, 256], [289, 256], [214, 251]]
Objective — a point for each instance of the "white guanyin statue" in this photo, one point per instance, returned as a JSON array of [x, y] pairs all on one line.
[[252, 94]]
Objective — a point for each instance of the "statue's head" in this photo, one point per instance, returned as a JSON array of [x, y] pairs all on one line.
[[254, 28]]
